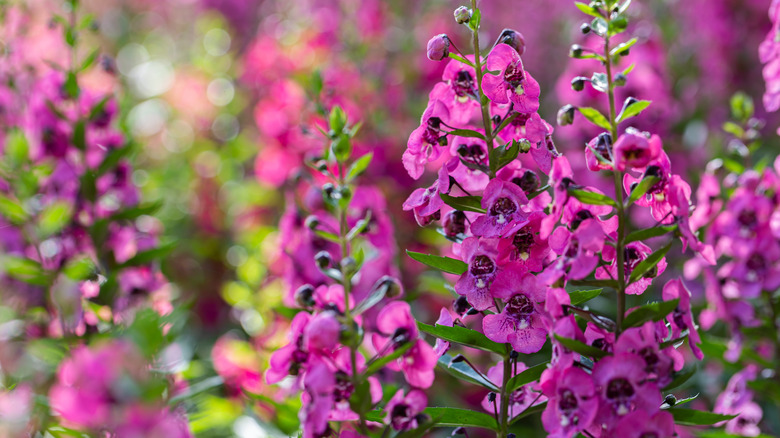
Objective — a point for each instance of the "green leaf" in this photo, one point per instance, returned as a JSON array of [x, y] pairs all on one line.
[[599, 82], [454, 417], [632, 109], [685, 400], [147, 331], [650, 312], [90, 59], [380, 362], [80, 269], [466, 133], [528, 412], [591, 198], [445, 264], [594, 116], [680, 377], [595, 283], [342, 148], [649, 263], [529, 375], [112, 159], [17, 148], [359, 226], [13, 211], [136, 212], [197, 388], [649, 233], [23, 269], [71, 85], [360, 400], [463, 336], [622, 46], [337, 119], [463, 371], [582, 296], [97, 110], [504, 155], [586, 9], [741, 106], [733, 129], [150, 255], [691, 417], [88, 185], [327, 235], [464, 203], [54, 218], [476, 18], [580, 347], [359, 166], [641, 189], [377, 293]]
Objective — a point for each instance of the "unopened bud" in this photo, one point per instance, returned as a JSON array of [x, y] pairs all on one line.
[[620, 79], [312, 222], [348, 265], [323, 259], [491, 397], [459, 431], [304, 296], [670, 400], [575, 51], [439, 47], [566, 115], [328, 189], [462, 15], [393, 286], [458, 358], [513, 39], [578, 83], [585, 28], [461, 306]]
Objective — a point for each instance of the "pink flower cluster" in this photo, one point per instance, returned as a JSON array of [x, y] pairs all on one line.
[[107, 387]]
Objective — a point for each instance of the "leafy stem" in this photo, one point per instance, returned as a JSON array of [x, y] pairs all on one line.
[[483, 102]]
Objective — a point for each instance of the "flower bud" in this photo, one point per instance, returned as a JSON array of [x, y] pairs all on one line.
[[620, 79], [578, 83], [670, 400], [491, 397], [323, 259], [575, 51], [462, 15], [459, 431], [392, 285], [312, 222], [458, 358], [461, 305], [585, 28], [304, 296], [513, 39], [348, 266], [328, 189], [438, 47], [566, 115]]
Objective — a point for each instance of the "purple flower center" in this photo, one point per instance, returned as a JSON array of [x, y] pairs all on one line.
[[649, 435], [482, 265], [519, 306], [756, 265], [529, 182], [568, 404], [632, 257], [679, 318], [601, 344], [463, 85], [514, 76], [522, 242], [573, 248], [604, 145], [400, 418], [658, 173], [432, 131], [344, 387], [747, 218], [620, 392], [650, 357], [580, 217], [503, 209], [472, 153], [455, 224]]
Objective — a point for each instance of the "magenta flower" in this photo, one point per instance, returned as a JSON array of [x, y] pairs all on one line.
[[404, 412], [526, 247], [458, 91], [423, 144], [598, 152], [520, 322], [445, 319], [572, 402], [643, 341], [656, 197], [153, 422], [521, 399], [635, 149], [503, 202], [640, 424], [396, 327], [682, 318], [319, 384], [737, 399], [426, 204], [578, 251], [769, 54], [290, 359], [560, 180], [679, 193], [512, 83], [482, 256], [622, 386], [633, 254]]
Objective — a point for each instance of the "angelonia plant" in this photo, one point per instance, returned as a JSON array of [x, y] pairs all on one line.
[[523, 255], [83, 297], [349, 324]]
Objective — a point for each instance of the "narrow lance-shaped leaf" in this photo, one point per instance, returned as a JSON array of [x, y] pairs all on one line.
[[649, 233], [650, 312], [594, 116], [464, 203], [631, 108], [380, 362], [591, 198], [445, 264], [464, 336], [455, 417], [466, 133], [641, 189], [359, 166], [578, 297], [463, 371], [622, 47], [649, 263], [586, 9], [529, 375], [580, 347], [691, 417]]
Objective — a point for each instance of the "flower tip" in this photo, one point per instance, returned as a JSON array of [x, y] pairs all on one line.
[[439, 47], [513, 39]]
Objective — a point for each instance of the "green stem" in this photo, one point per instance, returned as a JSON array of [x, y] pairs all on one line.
[[483, 102], [346, 282], [504, 415], [621, 209]]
